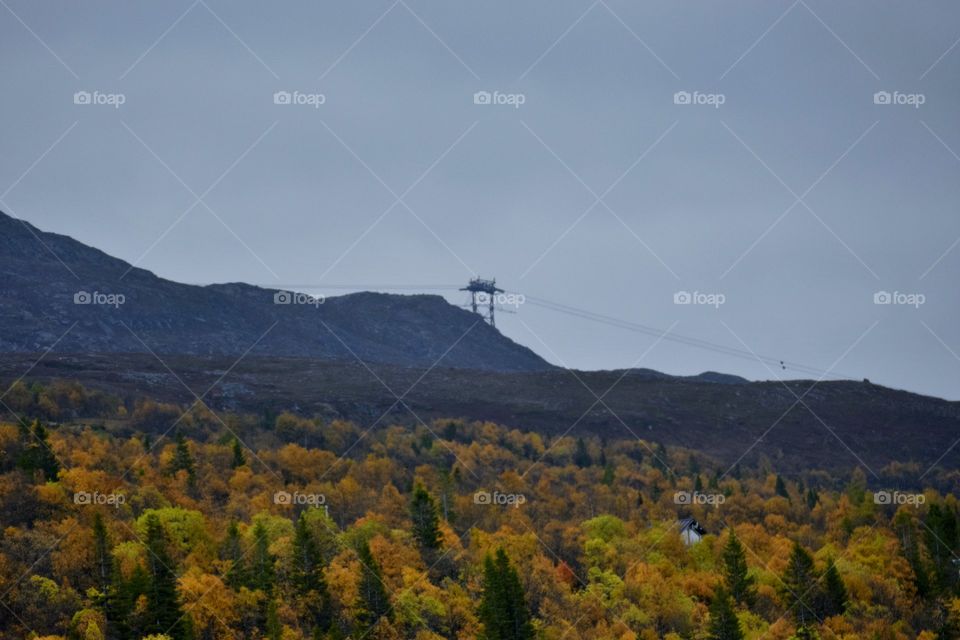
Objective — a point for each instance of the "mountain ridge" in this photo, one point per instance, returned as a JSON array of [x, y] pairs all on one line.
[[121, 308]]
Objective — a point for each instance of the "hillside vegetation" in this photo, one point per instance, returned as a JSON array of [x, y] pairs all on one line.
[[880, 428], [111, 529]]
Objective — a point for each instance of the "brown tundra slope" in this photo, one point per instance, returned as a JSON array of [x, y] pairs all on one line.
[[838, 425]]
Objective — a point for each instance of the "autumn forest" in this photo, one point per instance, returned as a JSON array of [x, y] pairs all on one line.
[[125, 519]]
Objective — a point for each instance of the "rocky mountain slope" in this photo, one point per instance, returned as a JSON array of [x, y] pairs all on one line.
[[112, 308]]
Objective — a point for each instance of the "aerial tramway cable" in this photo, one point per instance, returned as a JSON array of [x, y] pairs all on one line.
[[585, 314]]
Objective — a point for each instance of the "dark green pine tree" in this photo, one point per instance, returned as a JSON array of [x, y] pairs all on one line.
[[834, 591], [232, 551], [723, 618], [449, 479], [520, 619], [714, 483], [274, 630], [609, 473], [374, 602], [261, 571], [450, 431], [163, 614], [910, 547], [581, 457], [812, 498], [503, 609], [239, 459], [183, 461], [423, 512], [35, 454], [735, 571], [102, 564], [306, 576], [660, 457], [119, 609], [941, 540], [781, 488], [801, 590]]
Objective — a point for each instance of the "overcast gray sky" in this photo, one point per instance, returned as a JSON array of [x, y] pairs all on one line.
[[782, 186]]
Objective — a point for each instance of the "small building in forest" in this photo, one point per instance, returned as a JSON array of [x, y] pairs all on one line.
[[690, 531]]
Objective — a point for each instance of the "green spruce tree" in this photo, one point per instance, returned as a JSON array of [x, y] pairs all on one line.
[[231, 551], [834, 591], [723, 618], [374, 602], [102, 564], [423, 512], [35, 453], [910, 547], [942, 545], [183, 460], [609, 473], [262, 573], [274, 630], [123, 622], [581, 456], [239, 458], [503, 609], [735, 571], [306, 576], [781, 488], [801, 591], [163, 614]]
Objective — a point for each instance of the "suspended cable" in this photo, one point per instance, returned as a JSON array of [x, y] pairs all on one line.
[[681, 339]]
